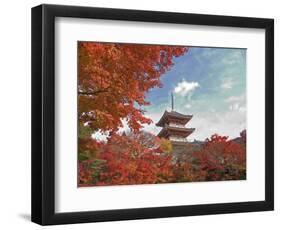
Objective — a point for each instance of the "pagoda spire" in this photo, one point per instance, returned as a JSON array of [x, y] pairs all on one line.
[[173, 125], [172, 100]]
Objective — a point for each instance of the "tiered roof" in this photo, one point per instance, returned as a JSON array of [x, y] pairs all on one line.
[[173, 123], [173, 116], [170, 130]]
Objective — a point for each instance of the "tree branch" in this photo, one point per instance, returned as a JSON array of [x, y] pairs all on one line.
[[93, 93]]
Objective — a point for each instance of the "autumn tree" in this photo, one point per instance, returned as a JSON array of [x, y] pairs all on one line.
[[220, 159], [112, 82], [138, 158], [113, 79], [127, 159]]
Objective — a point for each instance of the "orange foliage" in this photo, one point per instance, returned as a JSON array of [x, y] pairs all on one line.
[[132, 159], [140, 159], [219, 159], [113, 78]]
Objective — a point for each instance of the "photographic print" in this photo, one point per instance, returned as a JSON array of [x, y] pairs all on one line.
[[153, 105], [151, 114]]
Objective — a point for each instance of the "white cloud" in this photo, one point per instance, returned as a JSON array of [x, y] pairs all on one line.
[[237, 107], [152, 128], [188, 106], [100, 136], [229, 123], [125, 127], [234, 106], [237, 103], [236, 99], [185, 87], [227, 84]]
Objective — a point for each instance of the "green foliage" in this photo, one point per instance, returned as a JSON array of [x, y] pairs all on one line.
[[84, 131], [97, 167], [82, 157]]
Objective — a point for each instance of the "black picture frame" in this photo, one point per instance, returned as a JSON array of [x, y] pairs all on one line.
[[43, 114]]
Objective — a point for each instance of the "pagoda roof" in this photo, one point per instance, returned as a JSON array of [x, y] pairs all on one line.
[[173, 115], [169, 130]]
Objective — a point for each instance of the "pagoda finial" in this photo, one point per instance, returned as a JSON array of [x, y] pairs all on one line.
[[172, 100]]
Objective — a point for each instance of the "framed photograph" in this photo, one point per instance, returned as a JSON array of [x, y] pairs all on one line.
[[142, 114]]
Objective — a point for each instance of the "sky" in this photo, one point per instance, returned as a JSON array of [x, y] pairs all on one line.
[[208, 83]]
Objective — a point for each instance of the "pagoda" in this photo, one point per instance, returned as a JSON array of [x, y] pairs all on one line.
[[173, 128]]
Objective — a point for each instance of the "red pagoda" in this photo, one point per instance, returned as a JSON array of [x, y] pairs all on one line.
[[173, 127]]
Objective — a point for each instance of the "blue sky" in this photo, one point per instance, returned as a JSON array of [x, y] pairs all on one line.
[[210, 84]]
